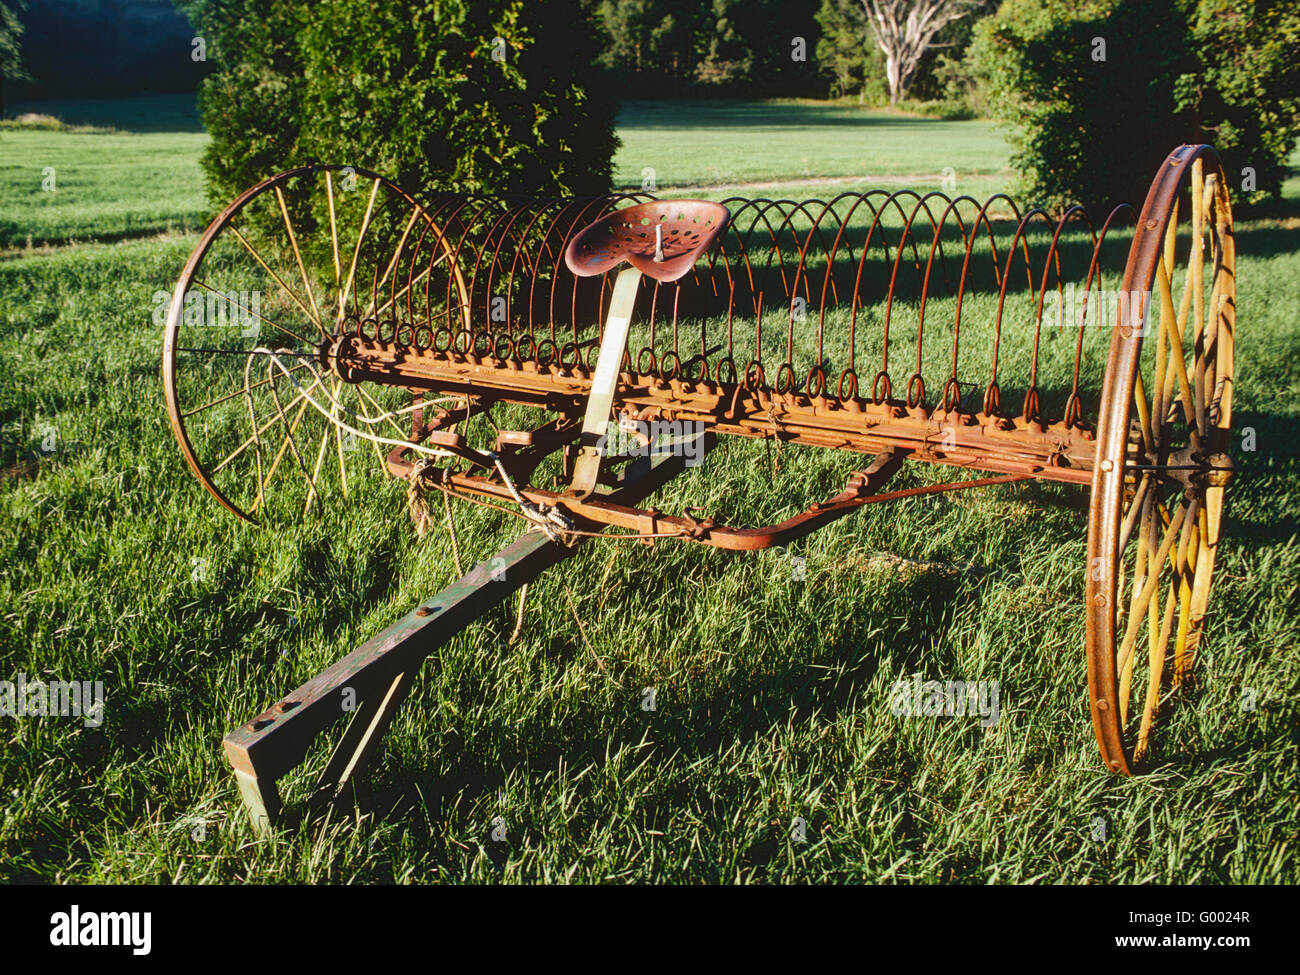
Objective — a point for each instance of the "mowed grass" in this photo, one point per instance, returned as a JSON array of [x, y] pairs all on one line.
[[133, 169], [771, 675], [793, 145]]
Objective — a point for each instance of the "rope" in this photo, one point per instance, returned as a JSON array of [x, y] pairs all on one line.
[[416, 502], [451, 531], [519, 615], [418, 483], [338, 407], [550, 519]]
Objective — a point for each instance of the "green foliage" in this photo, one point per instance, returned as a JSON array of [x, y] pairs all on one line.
[[955, 109], [846, 53], [251, 104], [730, 58], [651, 37], [471, 95], [11, 36], [1093, 123], [763, 47], [658, 47], [1246, 91]]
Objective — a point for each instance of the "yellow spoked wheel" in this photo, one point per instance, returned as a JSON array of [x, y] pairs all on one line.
[[1162, 456], [288, 273]]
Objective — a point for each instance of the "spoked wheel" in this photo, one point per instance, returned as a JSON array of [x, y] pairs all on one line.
[[1162, 462], [276, 286]]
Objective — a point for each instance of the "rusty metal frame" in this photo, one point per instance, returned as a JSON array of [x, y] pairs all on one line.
[[767, 261]]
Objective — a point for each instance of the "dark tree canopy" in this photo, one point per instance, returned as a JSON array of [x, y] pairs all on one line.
[[658, 48], [11, 36], [470, 95], [1098, 91]]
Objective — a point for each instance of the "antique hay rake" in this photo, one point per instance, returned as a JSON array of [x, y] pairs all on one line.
[[326, 314]]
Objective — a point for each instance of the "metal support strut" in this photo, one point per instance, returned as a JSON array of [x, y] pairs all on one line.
[[605, 383], [371, 682]]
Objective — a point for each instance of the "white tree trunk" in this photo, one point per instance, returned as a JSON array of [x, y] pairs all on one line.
[[892, 76], [904, 29]]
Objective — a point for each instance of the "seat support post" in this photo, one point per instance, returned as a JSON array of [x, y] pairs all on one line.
[[604, 384]]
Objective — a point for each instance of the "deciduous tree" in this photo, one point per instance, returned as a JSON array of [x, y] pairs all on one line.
[[904, 30]]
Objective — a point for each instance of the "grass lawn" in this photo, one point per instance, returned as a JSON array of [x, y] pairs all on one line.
[[771, 690], [131, 168], [802, 149]]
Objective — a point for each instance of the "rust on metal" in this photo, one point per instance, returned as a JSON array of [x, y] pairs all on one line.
[[902, 326]]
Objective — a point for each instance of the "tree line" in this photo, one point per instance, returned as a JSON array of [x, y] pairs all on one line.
[[876, 51], [643, 48], [518, 95]]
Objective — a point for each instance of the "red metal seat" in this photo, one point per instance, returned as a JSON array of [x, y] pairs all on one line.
[[662, 239]]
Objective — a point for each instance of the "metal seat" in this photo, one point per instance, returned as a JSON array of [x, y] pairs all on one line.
[[662, 239]]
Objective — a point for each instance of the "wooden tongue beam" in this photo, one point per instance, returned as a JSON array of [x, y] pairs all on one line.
[[370, 683]]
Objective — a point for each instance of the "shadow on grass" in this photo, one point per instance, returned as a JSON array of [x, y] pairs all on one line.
[[1262, 476], [739, 714], [135, 114], [705, 114], [1270, 232]]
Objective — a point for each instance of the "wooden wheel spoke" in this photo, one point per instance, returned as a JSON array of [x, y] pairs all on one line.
[[320, 460], [397, 253], [1140, 570], [226, 297], [1173, 336], [410, 284], [1154, 674], [1135, 508], [293, 241], [1144, 413], [261, 490], [290, 431], [386, 414], [1143, 598], [239, 392], [1185, 605], [366, 418], [278, 280], [338, 437], [334, 242], [356, 253], [258, 431]]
